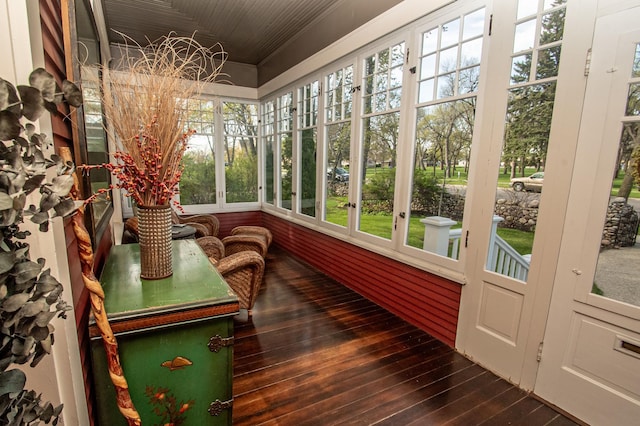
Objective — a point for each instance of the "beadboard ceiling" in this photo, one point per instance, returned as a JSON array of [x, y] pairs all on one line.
[[249, 30]]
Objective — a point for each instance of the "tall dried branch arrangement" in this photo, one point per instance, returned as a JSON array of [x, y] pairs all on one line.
[[145, 109]]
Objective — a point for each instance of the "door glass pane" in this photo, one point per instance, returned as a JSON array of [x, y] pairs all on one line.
[[338, 106], [442, 147], [380, 138], [198, 181], [616, 271], [307, 121], [285, 140], [240, 151], [526, 140]]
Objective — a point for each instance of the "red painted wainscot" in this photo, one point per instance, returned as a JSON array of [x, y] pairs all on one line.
[[423, 299]]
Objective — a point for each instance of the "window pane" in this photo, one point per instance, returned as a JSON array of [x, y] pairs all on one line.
[[526, 8], [473, 24], [552, 27], [426, 91], [521, 69], [285, 138], [379, 171], [308, 113], [525, 36], [429, 41], [520, 179], [635, 71], [308, 143], [448, 60], [450, 33], [337, 166], [428, 67], [548, 62], [633, 100], [241, 151], [198, 181], [441, 154], [616, 276], [471, 52], [268, 131]]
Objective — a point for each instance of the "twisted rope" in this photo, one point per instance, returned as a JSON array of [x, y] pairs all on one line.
[[96, 297]]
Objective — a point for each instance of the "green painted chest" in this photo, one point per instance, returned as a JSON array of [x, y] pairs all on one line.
[[175, 338]]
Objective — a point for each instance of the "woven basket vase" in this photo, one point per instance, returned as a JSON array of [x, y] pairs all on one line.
[[154, 233]]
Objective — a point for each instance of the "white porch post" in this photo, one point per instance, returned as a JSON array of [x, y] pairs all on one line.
[[436, 234]]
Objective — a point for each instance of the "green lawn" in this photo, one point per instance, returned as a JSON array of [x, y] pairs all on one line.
[[381, 225]]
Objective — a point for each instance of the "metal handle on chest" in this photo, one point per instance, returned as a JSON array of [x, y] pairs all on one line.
[[218, 342]]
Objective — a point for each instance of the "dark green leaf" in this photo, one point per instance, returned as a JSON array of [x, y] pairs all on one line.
[[27, 271], [31, 309], [6, 202], [10, 127], [9, 99], [33, 183], [44, 82], [72, 93], [32, 102], [12, 381], [15, 302], [7, 260], [48, 201], [40, 333], [66, 207], [19, 202], [43, 318]]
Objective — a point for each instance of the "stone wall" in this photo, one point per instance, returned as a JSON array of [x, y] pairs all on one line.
[[620, 226], [520, 211]]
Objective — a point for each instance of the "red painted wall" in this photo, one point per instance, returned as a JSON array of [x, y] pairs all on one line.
[[421, 298]]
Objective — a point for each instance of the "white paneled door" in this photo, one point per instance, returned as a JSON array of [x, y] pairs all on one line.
[[590, 361]]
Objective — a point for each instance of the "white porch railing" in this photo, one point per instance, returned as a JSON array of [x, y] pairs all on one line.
[[502, 258]]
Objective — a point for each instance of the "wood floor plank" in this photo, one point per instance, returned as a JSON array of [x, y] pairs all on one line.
[[316, 353]]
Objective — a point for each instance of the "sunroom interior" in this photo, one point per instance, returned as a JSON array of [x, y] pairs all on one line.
[[387, 144]]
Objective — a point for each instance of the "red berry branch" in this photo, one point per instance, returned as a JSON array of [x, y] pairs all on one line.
[[147, 176]]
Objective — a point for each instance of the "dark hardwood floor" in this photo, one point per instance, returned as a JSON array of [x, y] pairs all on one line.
[[316, 353]]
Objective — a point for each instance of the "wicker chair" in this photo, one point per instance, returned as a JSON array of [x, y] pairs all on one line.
[[243, 242], [210, 223], [243, 272], [212, 247], [253, 230]]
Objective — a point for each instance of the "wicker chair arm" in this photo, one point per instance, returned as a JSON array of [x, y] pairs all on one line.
[[212, 247], [243, 272], [243, 242], [250, 229], [211, 222]]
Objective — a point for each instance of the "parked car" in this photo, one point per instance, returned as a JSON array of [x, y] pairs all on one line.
[[529, 183], [338, 174]]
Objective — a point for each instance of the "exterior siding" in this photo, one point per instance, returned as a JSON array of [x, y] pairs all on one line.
[[230, 220], [55, 57], [421, 298]]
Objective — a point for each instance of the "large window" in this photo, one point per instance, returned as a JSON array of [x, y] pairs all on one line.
[[240, 121], [284, 137], [382, 90], [308, 96], [448, 78], [198, 182], [338, 98]]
